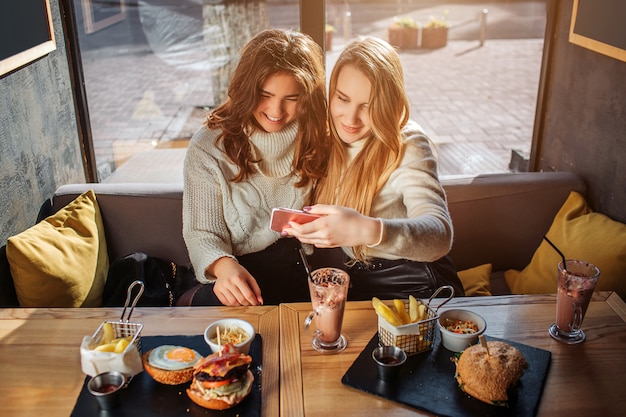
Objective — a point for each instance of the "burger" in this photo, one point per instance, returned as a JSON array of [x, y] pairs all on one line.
[[170, 364], [488, 374], [221, 380]]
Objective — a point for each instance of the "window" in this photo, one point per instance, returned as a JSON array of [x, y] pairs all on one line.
[[159, 65]]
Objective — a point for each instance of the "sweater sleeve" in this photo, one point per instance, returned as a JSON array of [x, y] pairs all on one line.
[[412, 205], [204, 226]]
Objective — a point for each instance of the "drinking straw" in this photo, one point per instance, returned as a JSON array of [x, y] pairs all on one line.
[[558, 251], [219, 343], [307, 268]]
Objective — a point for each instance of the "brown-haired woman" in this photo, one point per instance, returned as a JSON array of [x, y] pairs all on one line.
[[263, 148]]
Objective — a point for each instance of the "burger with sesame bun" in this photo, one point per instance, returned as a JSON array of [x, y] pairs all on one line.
[[221, 380], [169, 364]]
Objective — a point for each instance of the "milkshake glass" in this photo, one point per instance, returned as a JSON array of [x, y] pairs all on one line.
[[575, 288], [329, 290]]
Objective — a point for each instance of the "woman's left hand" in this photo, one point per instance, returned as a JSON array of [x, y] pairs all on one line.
[[338, 226]]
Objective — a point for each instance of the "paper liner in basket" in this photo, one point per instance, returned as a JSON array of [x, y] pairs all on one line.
[[94, 362], [128, 362]]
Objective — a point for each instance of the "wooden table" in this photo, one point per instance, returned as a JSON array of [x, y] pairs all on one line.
[[40, 351], [583, 380]]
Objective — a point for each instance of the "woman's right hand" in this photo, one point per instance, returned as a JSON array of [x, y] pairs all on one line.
[[337, 226], [234, 285]]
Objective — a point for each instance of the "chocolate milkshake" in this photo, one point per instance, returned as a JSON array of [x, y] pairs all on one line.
[[575, 288], [572, 301], [329, 290]]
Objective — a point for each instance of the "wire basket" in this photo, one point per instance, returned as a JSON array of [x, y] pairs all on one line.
[[120, 329], [411, 338], [123, 328], [415, 337]]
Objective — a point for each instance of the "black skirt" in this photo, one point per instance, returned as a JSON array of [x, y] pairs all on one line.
[[277, 269]]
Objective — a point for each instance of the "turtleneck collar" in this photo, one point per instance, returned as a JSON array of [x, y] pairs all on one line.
[[276, 150], [353, 149]]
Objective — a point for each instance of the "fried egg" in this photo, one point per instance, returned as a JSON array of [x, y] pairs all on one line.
[[173, 358]]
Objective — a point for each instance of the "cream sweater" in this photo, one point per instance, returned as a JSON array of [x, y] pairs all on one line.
[[224, 218], [412, 204]]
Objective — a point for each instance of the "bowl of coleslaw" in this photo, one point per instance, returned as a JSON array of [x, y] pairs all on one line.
[[237, 332], [460, 328]]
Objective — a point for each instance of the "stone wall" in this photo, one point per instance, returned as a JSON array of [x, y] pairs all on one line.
[[38, 135]]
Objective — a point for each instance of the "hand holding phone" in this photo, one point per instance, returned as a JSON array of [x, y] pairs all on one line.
[[282, 216]]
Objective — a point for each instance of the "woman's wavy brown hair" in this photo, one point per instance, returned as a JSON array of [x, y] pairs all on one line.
[[356, 185], [271, 52]]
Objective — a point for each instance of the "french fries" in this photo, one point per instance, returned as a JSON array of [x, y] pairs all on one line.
[[422, 312], [386, 312], [398, 316], [108, 333], [417, 311], [111, 344], [402, 314], [413, 309], [115, 345]]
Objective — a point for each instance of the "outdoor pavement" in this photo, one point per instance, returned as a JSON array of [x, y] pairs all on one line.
[[476, 101]]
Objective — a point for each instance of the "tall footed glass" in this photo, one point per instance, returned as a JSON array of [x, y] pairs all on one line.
[[329, 291], [576, 283]]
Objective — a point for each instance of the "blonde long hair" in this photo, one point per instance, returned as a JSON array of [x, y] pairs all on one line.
[[357, 185]]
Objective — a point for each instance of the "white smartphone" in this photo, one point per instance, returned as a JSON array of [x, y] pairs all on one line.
[[282, 216]]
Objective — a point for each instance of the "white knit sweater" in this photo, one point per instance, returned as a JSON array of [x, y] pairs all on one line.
[[225, 218], [412, 204]]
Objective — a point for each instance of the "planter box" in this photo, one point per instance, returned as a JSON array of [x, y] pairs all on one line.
[[433, 38], [403, 38]]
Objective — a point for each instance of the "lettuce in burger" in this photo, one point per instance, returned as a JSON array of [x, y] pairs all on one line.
[[221, 381]]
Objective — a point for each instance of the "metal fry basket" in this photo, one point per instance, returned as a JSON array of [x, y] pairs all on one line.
[[416, 337], [123, 327]]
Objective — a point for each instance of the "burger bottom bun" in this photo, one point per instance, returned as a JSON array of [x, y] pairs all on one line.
[[165, 376], [216, 404]]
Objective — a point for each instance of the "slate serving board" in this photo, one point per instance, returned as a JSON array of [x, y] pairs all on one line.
[[427, 383], [144, 397]]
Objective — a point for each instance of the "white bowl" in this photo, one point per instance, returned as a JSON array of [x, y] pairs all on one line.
[[210, 333], [457, 342]]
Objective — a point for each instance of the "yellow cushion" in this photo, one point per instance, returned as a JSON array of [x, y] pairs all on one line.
[[62, 261], [579, 233], [476, 280]]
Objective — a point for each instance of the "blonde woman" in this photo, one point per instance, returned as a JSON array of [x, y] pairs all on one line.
[[264, 147], [381, 200]]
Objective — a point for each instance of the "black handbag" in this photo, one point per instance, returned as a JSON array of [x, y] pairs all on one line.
[[164, 281]]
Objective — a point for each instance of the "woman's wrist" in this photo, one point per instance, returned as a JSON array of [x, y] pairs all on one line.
[[213, 270], [378, 233]]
